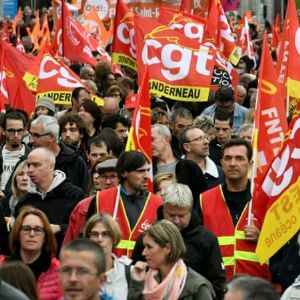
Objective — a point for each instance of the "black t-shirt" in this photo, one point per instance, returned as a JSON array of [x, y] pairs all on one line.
[[236, 201]]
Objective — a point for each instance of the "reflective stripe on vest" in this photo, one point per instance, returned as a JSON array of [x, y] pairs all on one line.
[[239, 234], [245, 255], [126, 244], [228, 261], [226, 240]]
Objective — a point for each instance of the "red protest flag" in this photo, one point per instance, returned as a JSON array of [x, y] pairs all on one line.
[[123, 46], [13, 89], [293, 76], [139, 137], [270, 124], [179, 68], [245, 42], [193, 28], [140, 131], [285, 61], [72, 35], [55, 80], [218, 32], [280, 190]]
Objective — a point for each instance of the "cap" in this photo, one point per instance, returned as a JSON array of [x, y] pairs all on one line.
[[45, 102], [131, 101], [107, 164]]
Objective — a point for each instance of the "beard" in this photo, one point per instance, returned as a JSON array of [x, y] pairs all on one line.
[[15, 145]]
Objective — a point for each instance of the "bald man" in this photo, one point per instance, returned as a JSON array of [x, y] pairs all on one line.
[[110, 107], [50, 191]]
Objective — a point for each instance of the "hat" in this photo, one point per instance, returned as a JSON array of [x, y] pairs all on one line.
[[130, 101], [45, 102], [107, 164]]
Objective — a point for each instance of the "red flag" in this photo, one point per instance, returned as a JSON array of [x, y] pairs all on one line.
[[13, 90], [289, 50], [293, 76], [280, 190], [72, 35], [56, 80], [270, 117], [193, 28], [139, 137], [270, 126], [179, 68], [123, 47], [244, 42], [218, 32]]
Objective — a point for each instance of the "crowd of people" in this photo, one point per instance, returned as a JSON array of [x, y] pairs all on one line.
[[78, 219]]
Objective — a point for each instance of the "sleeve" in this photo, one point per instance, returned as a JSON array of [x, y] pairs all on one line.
[[83, 174], [215, 268], [135, 290], [203, 293]]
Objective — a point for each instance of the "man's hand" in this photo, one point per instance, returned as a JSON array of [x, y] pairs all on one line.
[[138, 272], [251, 233], [55, 228]]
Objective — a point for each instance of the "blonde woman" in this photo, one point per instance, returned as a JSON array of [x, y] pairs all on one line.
[[167, 276]]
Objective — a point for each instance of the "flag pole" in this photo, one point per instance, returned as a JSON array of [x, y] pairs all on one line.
[[62, 15], [254, 165]]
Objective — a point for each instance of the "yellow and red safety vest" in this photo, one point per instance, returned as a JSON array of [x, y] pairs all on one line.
[[105, 203], [238, 254]]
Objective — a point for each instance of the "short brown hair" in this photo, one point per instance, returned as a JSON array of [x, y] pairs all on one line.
[[165, 232], [112, 226], [14, 238]]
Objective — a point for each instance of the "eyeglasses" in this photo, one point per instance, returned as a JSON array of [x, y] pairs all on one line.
[[105, 177], [12, 131], [199, 139], [104, 234], [80, 272], [38, 230], [35, 135]]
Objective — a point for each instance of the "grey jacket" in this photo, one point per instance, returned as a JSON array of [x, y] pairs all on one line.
[[196, 288]]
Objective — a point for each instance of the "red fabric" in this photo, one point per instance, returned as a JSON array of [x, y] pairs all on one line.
[[48, 283], [105, 204], [77, 220], [217, 218]]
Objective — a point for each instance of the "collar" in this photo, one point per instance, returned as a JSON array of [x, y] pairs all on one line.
[[211, 168]]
